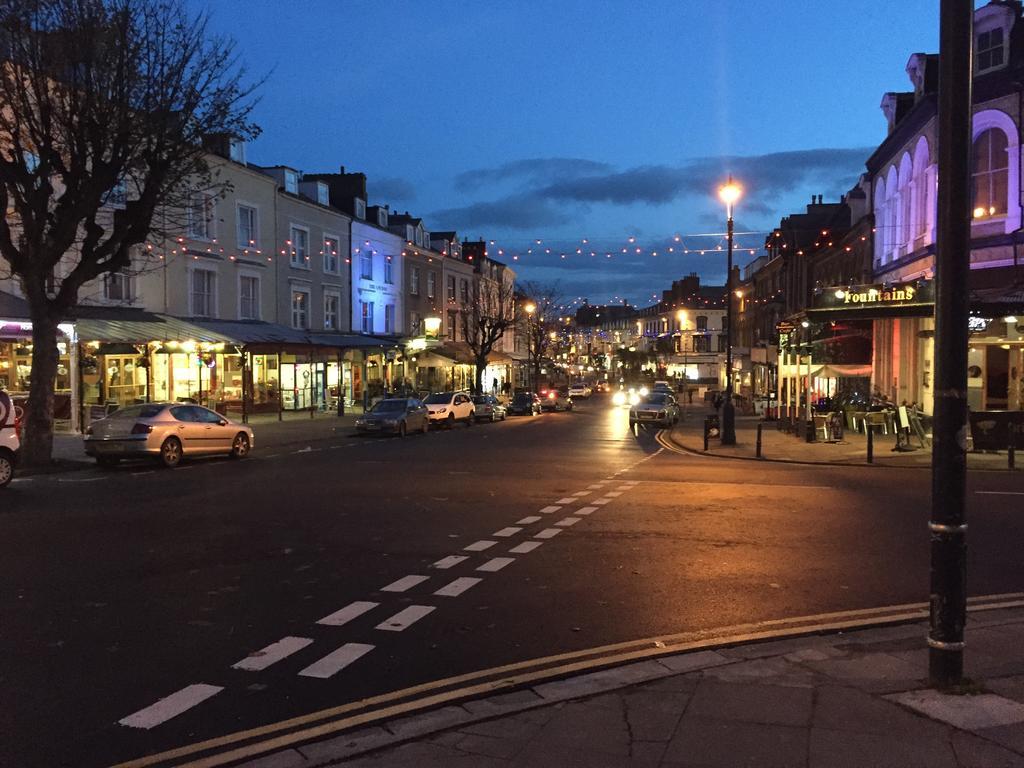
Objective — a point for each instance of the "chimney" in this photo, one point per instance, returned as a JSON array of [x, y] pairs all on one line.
[[341, 170]]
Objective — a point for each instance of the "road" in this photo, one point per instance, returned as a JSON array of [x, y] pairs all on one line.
[[120, 588]]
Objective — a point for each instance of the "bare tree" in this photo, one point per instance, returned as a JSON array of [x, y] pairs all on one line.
[[490, 313], [545, 298], [106, 106]]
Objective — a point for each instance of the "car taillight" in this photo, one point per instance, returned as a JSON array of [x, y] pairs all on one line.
[[142, 429], [551, 395]]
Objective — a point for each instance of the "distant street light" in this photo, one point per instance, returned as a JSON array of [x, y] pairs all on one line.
[[729, 193], [530, 308]]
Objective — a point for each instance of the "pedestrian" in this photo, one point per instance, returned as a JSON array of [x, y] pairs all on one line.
[[717, 401], [494, 385]]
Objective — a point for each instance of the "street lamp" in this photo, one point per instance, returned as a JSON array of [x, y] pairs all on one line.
[[530, 308], [729, 193], [681, 317]]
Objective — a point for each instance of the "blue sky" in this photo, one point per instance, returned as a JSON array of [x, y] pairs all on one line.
[[527, 120]]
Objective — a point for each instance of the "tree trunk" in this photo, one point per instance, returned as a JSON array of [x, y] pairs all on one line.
[[38, 448], [481, 365]]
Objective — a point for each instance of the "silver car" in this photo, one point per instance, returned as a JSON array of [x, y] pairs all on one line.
[[168, 432], [656, 408], [489, 408]]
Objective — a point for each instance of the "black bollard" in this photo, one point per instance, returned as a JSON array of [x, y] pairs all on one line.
[[1011, 458], [760, 424], [871, 443]]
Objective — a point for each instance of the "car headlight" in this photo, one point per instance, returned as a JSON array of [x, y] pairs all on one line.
[[634, 398], [643, 391], [619, 398]]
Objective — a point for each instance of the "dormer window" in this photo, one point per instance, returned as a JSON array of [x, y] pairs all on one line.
[[409, 235], [382, 217], [236, 150], [291, 182], [322, 193], [360, 210], [989, 49]]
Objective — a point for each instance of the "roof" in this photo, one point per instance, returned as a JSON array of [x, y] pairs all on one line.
[[253, 332], [13, 307], [131, 326]]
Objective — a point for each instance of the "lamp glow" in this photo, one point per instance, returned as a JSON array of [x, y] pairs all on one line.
[[730, 192]]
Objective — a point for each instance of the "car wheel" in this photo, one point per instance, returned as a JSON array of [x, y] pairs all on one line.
[[6, 469], [492, 417], [240, 446], [107, 462], [170, 452], [470, 420], [450, 422], [632, 424], [401, 429]]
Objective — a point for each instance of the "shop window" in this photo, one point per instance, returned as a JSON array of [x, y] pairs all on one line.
[[332, 307], [300, 309], [300, 247], [248, 298], [990, 174], [203, 292], [331, 255]]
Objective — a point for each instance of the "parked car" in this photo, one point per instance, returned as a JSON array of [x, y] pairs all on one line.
[[603, 387], [556, 400], [524, 404], [489, 408], [580, 389], [10, 439], [449, 407], [657, 408], [167, 432], [663, 386], [395, 415]]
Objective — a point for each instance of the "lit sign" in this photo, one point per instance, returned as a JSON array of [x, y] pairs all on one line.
[[977, 324], [878, 295]]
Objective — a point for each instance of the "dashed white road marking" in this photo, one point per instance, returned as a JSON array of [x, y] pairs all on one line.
[[404, 584], [335, 661], [613, 494], [495, 564], [566, 500], [1001, 493], [547, 533], [170, 706], [273, 653], [480, 546], [601, 502], [506, 532], [447, 562], [525, 547], [457, 587], [631, 483], [405, 618], [551, 510], [582, 493], [566, 522], [528, 520], [79, 479], [349, 612], [585, 510]]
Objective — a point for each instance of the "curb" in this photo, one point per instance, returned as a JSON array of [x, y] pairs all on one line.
[[306, 742]]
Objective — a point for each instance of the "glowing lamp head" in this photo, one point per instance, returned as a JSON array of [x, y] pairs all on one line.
[[730, 192], [530, 307]]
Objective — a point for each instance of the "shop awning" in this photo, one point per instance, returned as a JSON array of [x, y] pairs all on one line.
[[136, 326], [355, 341], [12, 307], [246, 332], [458, 352], [825, 371]]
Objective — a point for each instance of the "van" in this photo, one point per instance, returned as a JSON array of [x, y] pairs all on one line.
[[10, 439]]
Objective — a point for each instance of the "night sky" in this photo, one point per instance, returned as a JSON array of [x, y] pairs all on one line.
[[524, 121]]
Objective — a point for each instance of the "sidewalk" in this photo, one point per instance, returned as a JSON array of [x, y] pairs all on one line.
[[294, 429], [782, 446], [856, 699]]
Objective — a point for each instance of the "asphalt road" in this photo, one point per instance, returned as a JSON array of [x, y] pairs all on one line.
[[120, 588]]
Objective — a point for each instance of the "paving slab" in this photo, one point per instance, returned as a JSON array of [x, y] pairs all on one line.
[[713, 743], [850, 749], [771, 704], [968, 713]]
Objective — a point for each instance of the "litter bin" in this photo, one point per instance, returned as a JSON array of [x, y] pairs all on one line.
[[711, 429]]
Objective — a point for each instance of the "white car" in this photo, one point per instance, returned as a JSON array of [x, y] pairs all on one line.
[[580, 390], [447, 408], [10, 439]]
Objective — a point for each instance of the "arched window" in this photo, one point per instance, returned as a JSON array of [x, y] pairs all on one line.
[[922, 198], [906, 184], [990, 175], [880, 220]]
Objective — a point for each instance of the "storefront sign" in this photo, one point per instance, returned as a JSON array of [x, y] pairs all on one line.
[[873, 296], [977, 324]]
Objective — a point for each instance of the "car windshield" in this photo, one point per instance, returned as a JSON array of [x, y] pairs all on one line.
[[522, 397], [388, 406], [481, 400], [438, 398], [656, 399], [146, 411]]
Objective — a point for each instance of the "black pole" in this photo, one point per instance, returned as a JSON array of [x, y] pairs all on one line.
[[1010, 450], [760, 425], [728, 411], [948, 527], [871, 443]]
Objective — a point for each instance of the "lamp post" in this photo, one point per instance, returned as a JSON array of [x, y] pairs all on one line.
[[530, 308], [729, 193], [681, 317]]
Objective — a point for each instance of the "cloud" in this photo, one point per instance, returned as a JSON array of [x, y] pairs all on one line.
[[512, 212], [531, 171], [393, 189]]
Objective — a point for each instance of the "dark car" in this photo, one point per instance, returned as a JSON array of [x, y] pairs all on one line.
[[395, 415], [524, 404]]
